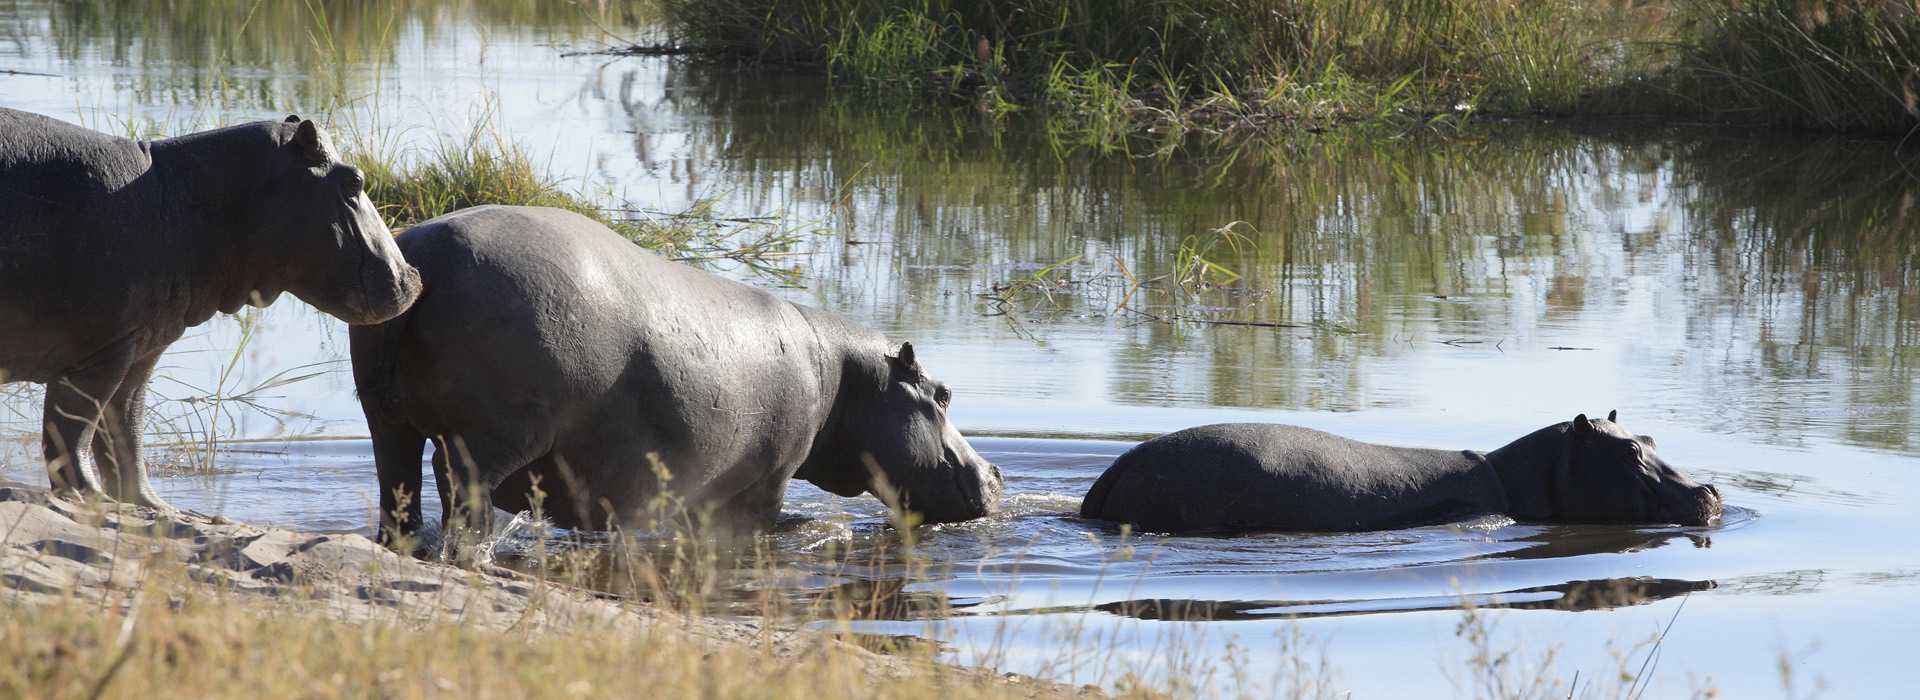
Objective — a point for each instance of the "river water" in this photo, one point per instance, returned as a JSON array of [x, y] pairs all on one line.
[[1749, 299]]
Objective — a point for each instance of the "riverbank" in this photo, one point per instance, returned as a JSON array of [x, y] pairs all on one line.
[[1109, 71], [117, 604]]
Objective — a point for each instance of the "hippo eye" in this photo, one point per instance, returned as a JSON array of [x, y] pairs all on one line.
[[942, 395]]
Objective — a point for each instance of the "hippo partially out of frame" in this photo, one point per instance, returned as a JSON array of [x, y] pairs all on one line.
[[1264, 477], [549, 354], [111, 248]]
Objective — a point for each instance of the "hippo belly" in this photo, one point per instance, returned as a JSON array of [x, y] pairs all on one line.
[[1279, 478]]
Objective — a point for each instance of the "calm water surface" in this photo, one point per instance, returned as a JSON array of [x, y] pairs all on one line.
[[1748, 299]]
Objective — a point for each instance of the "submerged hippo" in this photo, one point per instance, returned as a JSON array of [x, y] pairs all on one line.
[[111, 248], [550, 351], [1255, 476]]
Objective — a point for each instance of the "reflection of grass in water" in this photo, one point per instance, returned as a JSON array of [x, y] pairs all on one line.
[[1197, 288], [314, 53]]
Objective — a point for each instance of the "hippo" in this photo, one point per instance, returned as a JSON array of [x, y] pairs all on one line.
[[549, 352], [111, 248], [1243, 477]]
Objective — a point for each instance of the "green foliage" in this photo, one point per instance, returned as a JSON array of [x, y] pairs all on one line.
[[484, 167], [457, 173], [1830, 64], [1105, 69]]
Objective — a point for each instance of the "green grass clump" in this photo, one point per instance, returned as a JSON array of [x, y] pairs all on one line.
[[484, 167], [1224, 59], [1125, 66], [1839, 65], [460, 173]]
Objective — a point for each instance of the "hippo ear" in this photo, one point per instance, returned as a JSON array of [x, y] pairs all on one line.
[[311, 144], [1582, 426], [1613, 416], [292, 119], [905, 359]]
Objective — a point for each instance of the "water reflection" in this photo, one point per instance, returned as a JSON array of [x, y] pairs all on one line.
[[1764, 274], [1575, 596], [1751, 285], [252, 54], [1559, 541]]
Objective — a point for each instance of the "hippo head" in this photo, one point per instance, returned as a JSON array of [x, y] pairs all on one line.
[[903, 434], [336, 250], [1610, 475]]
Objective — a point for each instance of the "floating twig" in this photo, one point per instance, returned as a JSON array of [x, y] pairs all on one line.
[[645, 50]]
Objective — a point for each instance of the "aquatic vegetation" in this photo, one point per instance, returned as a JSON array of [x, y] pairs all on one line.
[[1828, 64], [1109, 68], [484, 166]]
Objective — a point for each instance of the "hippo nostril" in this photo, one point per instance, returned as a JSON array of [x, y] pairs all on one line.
[[1713, 490], [995, 470]]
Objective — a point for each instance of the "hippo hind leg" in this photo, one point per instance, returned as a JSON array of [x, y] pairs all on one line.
[[550, 488], [467, 468], [76, 404], [116, 444]]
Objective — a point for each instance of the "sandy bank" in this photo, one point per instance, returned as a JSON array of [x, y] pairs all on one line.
[[58, 554]]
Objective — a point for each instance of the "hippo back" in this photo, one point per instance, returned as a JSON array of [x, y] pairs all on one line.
[[58, 183], [1252, 476]]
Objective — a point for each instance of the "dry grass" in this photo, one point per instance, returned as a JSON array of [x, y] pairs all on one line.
[[190, 643]]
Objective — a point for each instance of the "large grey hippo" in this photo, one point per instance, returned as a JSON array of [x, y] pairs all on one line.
[[111, 248], [1256, 476], [548, 348]]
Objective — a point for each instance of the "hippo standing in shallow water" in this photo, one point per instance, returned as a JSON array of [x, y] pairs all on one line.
[[111, 248], [547, 347], [1256, 476]]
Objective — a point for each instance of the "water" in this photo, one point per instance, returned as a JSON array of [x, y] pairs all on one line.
[[1746, 298]]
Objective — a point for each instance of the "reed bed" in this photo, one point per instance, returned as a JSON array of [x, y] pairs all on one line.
[[1126, 66]]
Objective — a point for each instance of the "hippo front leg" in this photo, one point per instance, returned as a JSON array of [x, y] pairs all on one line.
[[71, 414], [396, 456], [116, 442]]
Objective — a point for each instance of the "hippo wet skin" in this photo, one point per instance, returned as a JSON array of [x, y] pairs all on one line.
[[111, 248], [1279, 478], [549, 351]]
